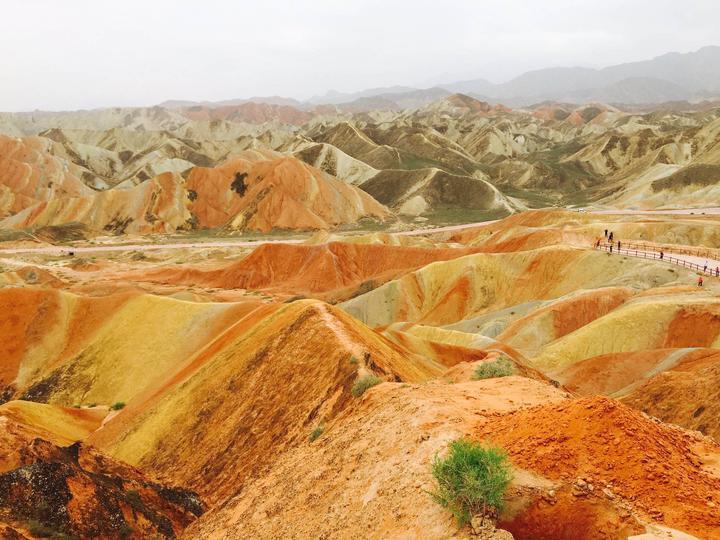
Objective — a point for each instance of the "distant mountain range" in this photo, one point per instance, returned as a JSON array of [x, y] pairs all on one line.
[[690, 76]]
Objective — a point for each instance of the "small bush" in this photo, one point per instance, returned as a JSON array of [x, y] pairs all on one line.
[[471, 480], [363, 383], [315, 433], [117, 406], [40, 530], [500, 367], [354, 361]]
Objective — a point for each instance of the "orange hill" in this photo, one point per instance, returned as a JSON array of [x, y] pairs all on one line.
[[312, 269], [258, 191], [262, 191]]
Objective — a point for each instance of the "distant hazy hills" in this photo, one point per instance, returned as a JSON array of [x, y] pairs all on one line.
[[671, 77]]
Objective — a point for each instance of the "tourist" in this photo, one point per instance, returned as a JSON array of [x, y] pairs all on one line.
[[618, 245], [717, 271], [700, 281], [605, 233], [661, 255], [611, 236], [705, 267]]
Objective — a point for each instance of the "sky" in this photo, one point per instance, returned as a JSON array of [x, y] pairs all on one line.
[[79, 54]]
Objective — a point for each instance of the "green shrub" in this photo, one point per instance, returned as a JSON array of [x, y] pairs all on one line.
[[500, 367], [118, 406], [471, 480], [315, 433], [354, 361], [363, 383], [40, 530]]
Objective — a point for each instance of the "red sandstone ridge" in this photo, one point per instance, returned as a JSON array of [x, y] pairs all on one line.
[[312, 269]]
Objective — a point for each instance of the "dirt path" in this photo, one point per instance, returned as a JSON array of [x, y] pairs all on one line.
[[63, 250]]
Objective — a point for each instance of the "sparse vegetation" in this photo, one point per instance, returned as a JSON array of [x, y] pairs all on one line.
[[41, 530], [364, 383], [133, 497], [354, 361], [500, 367], [471, 480], [117, 406], [315, 433]]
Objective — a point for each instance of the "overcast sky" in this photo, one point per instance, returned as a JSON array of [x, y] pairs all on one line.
[[71, 54]]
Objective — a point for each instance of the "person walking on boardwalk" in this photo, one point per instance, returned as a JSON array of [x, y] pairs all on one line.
[[610, 237], [661, 255], [618, 246], [606, 233], [705, 267]]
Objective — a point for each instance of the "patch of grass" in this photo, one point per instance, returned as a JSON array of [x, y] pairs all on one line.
[[315, 433], [364, 383], [354, 361], [471, 480], [500, 367], [118, 405]]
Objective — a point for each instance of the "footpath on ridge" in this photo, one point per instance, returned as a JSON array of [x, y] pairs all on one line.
[[703, 265]]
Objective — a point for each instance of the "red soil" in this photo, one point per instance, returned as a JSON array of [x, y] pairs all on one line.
[[664, 473]]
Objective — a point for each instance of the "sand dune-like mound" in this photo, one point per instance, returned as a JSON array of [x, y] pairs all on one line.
[[29, 173], [354, 142], [260, 388], [49, 488], [448, 292], [557, 319], [279, 192], [348, 268], [335, 162], [155, 206], [652, 322], [75, 350]]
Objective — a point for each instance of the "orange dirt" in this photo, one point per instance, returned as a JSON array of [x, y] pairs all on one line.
[[657, 469], [688, 395], [275, 192], [694, 326], [310, 268]]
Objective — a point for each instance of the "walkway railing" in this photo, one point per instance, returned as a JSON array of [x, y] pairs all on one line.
[[702, 252], [625, 249]]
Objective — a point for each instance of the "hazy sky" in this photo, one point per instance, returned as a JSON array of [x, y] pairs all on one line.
[[70, 54]]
